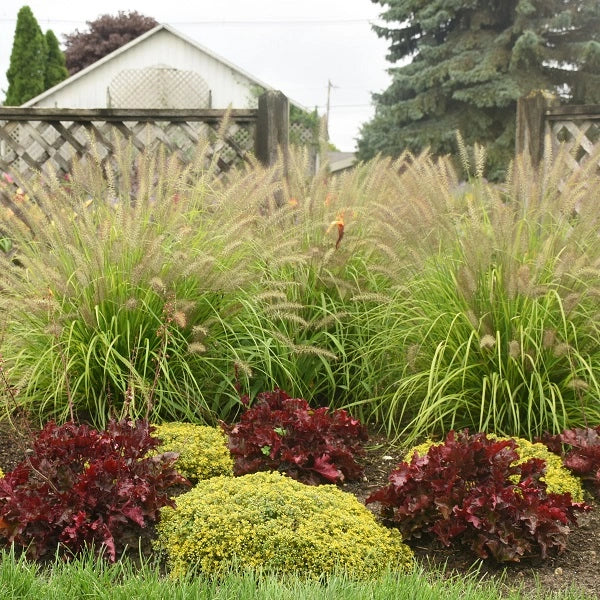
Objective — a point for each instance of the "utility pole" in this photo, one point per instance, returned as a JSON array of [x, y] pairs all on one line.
[[329, 86]]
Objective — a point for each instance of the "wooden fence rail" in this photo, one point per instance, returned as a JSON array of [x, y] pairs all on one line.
[[33, 138]]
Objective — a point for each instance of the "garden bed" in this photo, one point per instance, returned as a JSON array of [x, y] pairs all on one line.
[[576, 567]]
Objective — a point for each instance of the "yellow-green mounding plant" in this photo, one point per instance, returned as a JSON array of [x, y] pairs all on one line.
[[558, 479], [270, 522], [203, 451]]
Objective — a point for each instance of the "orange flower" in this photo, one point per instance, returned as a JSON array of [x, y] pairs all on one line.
[[20, 195], [339, 223], [293, 202]]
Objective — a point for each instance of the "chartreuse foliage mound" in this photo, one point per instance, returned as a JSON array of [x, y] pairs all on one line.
[[269, 521], [202, 450], [558, 479]]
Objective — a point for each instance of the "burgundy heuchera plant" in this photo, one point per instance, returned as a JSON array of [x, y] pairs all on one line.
[[279, 433], [470, 490], [81, 486], [582, 455]]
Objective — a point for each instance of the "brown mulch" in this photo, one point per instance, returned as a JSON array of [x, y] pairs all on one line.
[[577, 566]]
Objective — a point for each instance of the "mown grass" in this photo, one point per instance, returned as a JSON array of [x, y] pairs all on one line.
[[87, 577]]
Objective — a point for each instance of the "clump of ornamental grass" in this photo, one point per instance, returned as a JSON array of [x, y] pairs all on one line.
[[491, 320], [152, 288], [300, 326], [117, 275], [395, 291]]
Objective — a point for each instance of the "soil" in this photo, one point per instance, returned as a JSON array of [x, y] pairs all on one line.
[[578, 566]]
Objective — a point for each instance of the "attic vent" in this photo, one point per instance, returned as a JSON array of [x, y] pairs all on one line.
[[159, 86]]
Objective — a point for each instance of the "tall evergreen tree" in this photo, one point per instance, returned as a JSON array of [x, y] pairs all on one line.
[[56, 68], [27, 68], [470, 60]]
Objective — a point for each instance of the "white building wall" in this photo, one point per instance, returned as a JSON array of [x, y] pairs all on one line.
[[228, 87]]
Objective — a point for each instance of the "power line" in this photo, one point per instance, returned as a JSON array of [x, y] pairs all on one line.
[[344, 105], [227, 22]]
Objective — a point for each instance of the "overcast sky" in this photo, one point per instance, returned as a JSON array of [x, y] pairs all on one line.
[[293, 45]]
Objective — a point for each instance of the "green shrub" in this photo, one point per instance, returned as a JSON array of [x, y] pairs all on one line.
[[267, 520], [202, 450], [557, 477]]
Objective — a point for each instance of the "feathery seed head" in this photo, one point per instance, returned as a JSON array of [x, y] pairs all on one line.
[[487, 342], [196, 348], [514, 349]]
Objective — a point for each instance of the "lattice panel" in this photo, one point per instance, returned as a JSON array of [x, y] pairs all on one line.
[[581, 138], [33, 145], [159, 86], [301, 135]]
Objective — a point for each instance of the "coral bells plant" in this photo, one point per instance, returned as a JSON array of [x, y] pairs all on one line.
[[79, 486], [582, 452], [279, 433], [472, 490]]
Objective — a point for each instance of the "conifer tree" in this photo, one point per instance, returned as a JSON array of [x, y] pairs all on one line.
[[56, 68], [27, 67], [470, 60]]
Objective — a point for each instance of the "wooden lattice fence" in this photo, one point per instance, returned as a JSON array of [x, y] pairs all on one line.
[[36, 139], [32, 139], [541, 121], [577, 128]]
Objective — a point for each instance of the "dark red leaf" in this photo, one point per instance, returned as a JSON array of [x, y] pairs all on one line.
[[463, 490], [82, 486], [298, 438]]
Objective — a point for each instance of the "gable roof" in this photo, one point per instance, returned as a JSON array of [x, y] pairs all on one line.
[[138, 40]]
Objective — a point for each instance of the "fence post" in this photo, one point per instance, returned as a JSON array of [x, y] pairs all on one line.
[[531, 115], [272, 128]]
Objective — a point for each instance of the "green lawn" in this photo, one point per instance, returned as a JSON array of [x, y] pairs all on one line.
[[88, 578]]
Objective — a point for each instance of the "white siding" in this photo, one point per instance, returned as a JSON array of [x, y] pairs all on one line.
[[228, 87]]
